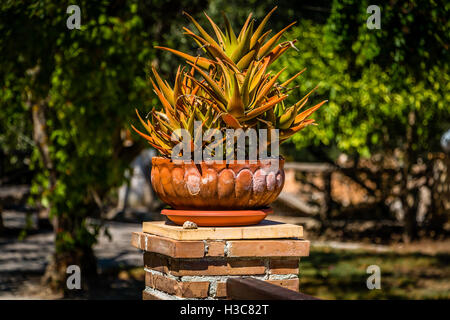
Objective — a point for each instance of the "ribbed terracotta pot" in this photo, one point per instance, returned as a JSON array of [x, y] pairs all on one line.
[[213, 186]]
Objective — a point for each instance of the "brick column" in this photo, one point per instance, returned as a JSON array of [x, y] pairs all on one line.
[[198, 269]]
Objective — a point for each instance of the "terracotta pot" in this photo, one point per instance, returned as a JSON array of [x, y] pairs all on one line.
[[210, 185]]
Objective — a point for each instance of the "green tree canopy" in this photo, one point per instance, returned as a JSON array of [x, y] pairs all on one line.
[[73, 93], [388, 89]]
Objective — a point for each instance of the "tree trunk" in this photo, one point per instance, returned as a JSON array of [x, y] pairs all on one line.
[[2, 226], [326, 210], [439, 182], [409, 193], [56, 274], [410, 203], [56, 271]]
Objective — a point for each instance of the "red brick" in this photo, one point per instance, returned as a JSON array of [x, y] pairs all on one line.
[[233, 266], [168, 247], [200, 267], [148, 296], [184, 289], [161, 283], [137, 240], [216, 248], [221, 291], [268, 248], [194, 289], [284, 266], [156, 262]]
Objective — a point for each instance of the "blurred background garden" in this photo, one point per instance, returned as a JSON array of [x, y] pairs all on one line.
[[370, 184]]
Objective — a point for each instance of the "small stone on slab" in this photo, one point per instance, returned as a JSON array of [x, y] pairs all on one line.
[[190, 225]]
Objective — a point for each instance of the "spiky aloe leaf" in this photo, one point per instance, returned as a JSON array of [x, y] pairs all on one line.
[[235, 105], [244, 27], [259, 110], [246, 85], [285, 134], [147, 137], [155, 137], [167, 106], [177, 89], [230, 35], [202, 31], [213, 49], [259, 74], [307, 95], [287, 82], [278, 51], [218, 91], [215, 102], [266, 88], [231, 121], [165, 89], [259, 30], [305, 114], [245, 61], [202, 62], [243, 45], [287, 118], [271, 43], [219, 34]]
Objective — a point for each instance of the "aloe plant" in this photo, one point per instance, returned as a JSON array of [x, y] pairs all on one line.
[[182, 105], [231, 86]]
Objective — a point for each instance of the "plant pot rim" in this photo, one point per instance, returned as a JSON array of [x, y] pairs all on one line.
[[214, 213], [217, 218], [162, 160]]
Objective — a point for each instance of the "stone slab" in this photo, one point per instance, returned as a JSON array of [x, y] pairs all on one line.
[[231, 248], [267, 229]]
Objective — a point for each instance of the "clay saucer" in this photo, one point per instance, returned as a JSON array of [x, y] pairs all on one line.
[[217, 218]]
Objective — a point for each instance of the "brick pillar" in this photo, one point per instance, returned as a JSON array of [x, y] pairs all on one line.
[[198, 269]]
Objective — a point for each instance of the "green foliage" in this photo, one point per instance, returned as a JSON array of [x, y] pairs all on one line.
[[388, 92], [413, 38], [87, 82], [375, 87], [288, 10]]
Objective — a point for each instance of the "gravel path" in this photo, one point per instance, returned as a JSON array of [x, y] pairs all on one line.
[[22, 261]]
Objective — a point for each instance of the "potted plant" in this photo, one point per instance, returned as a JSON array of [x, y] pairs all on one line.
[[216, 122]]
